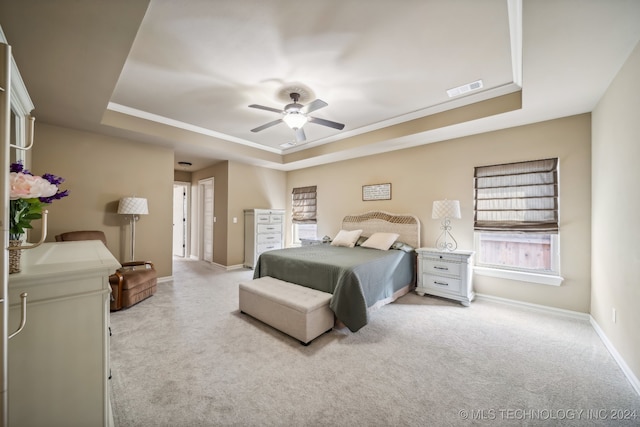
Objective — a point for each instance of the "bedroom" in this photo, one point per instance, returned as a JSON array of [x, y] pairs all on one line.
[[594, 255]]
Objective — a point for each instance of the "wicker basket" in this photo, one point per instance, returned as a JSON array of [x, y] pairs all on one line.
[[14, 256]]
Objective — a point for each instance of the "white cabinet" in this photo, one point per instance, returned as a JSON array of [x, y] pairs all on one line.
[[58, 365], [263, 231], [446, 274]]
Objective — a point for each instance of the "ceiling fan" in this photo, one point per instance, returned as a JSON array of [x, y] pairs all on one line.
[[296, 116]]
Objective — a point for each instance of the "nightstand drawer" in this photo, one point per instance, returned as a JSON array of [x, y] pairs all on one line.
[[310, 242], [431, 266], [444, 283]]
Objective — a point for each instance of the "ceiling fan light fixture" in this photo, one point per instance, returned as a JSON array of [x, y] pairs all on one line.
[[295, 120]]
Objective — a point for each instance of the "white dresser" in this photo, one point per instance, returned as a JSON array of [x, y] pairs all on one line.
[[263, 231], [59, 363], [446, 274]]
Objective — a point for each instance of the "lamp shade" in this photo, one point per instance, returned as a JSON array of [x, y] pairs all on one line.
[[446, 209], [133, 206]]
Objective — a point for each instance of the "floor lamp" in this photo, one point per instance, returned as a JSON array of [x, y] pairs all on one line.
[[445, 210], [133, 206]]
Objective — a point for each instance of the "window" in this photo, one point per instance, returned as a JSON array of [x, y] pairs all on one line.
[[516, 219], [304, 231], [303, 213]]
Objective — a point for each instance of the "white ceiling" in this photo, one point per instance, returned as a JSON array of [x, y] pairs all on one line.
[[182, 74]]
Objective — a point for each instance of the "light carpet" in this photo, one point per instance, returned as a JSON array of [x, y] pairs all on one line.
[[187, 357]]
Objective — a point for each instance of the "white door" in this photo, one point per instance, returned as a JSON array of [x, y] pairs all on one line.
[[179, 220], [206, 190]]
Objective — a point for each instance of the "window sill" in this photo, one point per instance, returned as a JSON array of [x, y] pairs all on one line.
[[542, 279]]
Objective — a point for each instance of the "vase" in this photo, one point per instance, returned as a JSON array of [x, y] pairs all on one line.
[[15, 256]]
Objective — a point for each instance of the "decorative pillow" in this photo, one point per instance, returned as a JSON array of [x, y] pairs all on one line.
[[382, 241], [346, 238], [401, 246]]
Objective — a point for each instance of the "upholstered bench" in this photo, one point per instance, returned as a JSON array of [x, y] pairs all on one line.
[[300, 312]]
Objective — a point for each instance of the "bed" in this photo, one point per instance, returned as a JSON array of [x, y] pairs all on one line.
[[360, 279]]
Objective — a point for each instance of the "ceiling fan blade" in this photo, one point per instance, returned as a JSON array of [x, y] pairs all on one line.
[[300, 136], [328, 123], [266, 125], [313, 106], [262, 107]]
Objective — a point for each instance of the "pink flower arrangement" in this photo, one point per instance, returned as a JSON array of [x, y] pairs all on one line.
[[25, 186], [28, 196]]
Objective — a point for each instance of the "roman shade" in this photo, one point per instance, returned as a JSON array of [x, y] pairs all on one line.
[[303, 205], [517, 197]]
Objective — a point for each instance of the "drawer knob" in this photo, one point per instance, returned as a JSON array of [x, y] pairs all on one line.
[[440, 283], [437, 267]]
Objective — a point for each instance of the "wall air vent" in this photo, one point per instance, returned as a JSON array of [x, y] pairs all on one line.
[[461, 90]]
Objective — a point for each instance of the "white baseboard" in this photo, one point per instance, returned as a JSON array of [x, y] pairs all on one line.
[[537, 307], [635, 383], [228, 267], [165, 279], [224, 267]]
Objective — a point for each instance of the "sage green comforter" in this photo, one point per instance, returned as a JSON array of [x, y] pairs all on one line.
[[357, 277]]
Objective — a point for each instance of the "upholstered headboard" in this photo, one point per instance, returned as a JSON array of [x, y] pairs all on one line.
[[406, 225]]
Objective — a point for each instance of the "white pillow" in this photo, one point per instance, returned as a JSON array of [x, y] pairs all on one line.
[[382, 241], [346, 238]]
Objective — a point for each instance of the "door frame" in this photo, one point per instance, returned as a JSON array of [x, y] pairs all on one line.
[[186, 209], [202, 219]]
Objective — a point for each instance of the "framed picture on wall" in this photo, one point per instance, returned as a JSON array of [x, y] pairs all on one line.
[[376, 192]]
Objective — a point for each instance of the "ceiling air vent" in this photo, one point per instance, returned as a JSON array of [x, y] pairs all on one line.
[[461, 90], [288, 145]]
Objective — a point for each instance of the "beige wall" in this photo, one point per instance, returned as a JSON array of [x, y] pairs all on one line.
[[250, 187], [236, 187], [445, 170], [182, 176], [615, 272], [99, 170]]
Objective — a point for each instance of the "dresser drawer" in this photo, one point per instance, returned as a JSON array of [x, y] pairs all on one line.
[[276, 219], [263, 219], [269, 238], [444, 283], [269, 219], [264, 247], [269, 228], [432, 266]]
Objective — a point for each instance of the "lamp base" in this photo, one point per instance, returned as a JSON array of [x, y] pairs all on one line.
[[134, 218], [446, 242]]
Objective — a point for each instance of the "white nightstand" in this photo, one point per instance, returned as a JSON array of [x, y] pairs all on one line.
[[446, 274], [309, 242]]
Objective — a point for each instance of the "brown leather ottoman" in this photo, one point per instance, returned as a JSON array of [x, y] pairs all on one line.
[[132, 283]]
